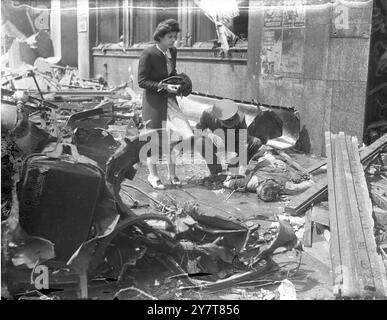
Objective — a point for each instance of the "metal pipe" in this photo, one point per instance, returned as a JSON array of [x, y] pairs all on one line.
[[147, 195], [37, 85], [197, 93]]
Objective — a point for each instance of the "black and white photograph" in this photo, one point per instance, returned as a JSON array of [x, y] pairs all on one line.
[[194, 154]]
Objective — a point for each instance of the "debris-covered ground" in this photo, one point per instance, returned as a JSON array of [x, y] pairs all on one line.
[[307, 269], [160, 276], [76, 204]]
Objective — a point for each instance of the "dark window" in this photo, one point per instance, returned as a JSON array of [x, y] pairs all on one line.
[[142, 24], [109, 22], [240, 23], [204, 28], [166, 9], [195, 24]]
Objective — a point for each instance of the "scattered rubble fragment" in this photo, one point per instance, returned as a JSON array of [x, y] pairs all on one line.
[[95, 231], [286, 291]]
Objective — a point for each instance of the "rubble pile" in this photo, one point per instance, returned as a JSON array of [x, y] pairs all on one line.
[[55, 122], [70, 153], [48, 138], [377, 184], [198, 250], [116, 245], [174, 232]]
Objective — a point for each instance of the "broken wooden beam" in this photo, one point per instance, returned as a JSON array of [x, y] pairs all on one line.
[[303, 201], [358, 269], [367, 223], [373, 149], [379, 185], [351, 285], [320, 215], [334, 225], [368, 152], [291, 162], [379, 198], [308, 232], [380, 217], [317, 166]]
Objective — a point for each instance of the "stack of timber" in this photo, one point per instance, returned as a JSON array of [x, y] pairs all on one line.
[[358, 269], [304, 201]]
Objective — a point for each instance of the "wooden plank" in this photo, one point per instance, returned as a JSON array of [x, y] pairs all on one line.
[[321, 215], [308, 232], [364, 208], [373, 148], [357, 267], [334, 227], [360, 263], [365, 217], [349, 286], [303, 201]]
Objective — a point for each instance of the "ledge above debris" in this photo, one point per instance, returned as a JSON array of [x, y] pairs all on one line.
[[236, 55]]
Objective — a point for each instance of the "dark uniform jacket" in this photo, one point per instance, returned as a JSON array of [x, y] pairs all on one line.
[[152, 68], [208, 121]]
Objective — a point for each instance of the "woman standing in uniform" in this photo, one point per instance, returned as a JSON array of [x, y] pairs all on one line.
[[159, 104]]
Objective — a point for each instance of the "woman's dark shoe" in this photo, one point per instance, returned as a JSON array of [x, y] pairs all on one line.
[[175, 181]]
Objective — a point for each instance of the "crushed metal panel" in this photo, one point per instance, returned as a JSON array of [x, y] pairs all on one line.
[[58, 197]]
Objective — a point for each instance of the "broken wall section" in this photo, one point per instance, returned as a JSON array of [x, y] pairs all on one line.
[[311, 58], [376, 113], [22, 21]]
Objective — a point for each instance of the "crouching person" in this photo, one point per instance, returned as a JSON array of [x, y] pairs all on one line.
[[270, 178], [220, 123]]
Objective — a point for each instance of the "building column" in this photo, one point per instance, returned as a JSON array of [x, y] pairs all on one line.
[[126, 22], [152, 15], [55, 27], [185, 17], [83, 38]]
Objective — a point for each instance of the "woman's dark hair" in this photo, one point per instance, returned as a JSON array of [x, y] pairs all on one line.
[[164, 27]]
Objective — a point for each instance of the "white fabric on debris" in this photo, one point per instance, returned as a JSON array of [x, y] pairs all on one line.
[[221, 13], [177, 124]]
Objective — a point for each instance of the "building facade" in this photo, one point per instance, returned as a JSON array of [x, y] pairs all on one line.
[[326, 58]]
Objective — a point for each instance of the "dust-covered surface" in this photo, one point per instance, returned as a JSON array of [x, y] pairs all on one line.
[[151, 277], [311, 276], [194, 239], [81, 221]]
